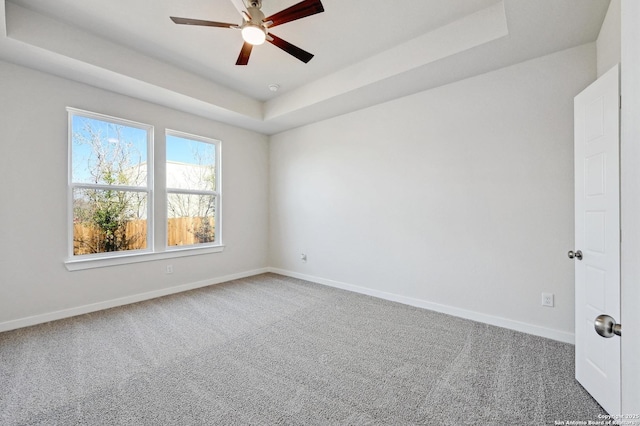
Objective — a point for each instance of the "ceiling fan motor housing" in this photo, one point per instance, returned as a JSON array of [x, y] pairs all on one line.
[[254, 30], [256, 16]]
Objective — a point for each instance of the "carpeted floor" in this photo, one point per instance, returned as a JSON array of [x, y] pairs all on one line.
[[276, 350]]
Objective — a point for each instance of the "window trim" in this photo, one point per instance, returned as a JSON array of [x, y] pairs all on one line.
[[153, 188], [136, 256]]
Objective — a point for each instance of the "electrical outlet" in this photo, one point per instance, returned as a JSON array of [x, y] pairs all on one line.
[[303, 258], [169, 269], [547, 299]]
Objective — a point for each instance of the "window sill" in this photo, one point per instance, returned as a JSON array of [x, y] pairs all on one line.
[[124, 259]]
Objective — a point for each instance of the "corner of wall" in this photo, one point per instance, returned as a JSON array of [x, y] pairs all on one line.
[[609, 42]]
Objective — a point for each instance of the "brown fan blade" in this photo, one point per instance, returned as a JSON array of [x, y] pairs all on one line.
[[187, 21], [297, 11], [303, 55], [243, 58]]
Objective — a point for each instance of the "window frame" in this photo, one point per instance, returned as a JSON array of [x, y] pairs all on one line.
[[217, 193], [155, 189], [148, 189]]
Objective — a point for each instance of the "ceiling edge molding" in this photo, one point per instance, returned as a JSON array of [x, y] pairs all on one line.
[[96, 61], [463, 34], [476, 43]]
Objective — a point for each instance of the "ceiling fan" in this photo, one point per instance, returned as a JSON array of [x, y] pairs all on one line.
[[256, 28]]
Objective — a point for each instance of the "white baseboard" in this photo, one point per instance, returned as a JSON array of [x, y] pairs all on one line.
[[536, 330], [458, 312], [93, 307]]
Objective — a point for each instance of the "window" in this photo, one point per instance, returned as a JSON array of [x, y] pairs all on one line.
[[112, 193], [110, 184], [193, 198]]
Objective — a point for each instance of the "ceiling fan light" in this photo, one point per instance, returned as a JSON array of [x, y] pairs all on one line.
[[254, 35]]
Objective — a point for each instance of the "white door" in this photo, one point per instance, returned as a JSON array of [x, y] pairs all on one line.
[[597, 234]]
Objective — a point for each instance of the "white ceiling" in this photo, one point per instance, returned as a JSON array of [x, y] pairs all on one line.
[[366, 51]]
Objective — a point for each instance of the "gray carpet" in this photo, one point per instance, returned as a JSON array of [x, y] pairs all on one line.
[[276, 350]]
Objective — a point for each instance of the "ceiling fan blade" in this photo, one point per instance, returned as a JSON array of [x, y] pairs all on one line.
[[297, 11], [243, 58], [187, 21], [303, 55]]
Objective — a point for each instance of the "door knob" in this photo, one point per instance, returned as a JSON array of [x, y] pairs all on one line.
[[577, 254], [606, 326]]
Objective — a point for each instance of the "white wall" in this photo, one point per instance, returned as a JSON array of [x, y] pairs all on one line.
[[609, 41], [33, 213], [459, 198], [630, 200]]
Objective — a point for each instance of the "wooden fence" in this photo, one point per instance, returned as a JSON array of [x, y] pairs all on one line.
[[180, 231]]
